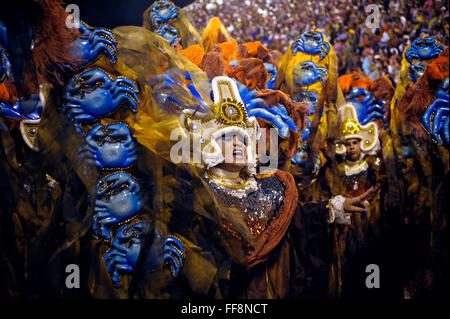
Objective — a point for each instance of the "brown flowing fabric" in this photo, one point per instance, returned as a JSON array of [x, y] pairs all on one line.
[[275, 232]]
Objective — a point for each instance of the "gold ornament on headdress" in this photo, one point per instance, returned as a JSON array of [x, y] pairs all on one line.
[[227, 115], [350, 127], [230, 112]]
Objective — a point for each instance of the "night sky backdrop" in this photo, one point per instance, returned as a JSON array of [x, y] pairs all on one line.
[[113, 13]]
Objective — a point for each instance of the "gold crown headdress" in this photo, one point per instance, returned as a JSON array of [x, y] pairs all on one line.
[[351, 128], [227, 115]]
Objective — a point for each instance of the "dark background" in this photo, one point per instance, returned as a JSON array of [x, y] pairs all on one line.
[[113, 13]]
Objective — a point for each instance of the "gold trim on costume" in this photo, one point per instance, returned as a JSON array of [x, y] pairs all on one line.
[[355, 168], [221, 180]]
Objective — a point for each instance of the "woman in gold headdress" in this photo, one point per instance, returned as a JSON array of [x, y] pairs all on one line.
[[247, 228]]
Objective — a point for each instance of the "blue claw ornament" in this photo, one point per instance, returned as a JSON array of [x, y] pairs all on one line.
[[93, 43], [170, 88], [272, 70], [256, 107], [302, 158], [125, 250], [307, 73], [416, 70], [111, 145], [163, 86], [307, 130], [406, 151], [368, 109], [169, 33], [317, 164], [423, 49], [93, 94], [280, 110], [249, 97], [309, 97], [162, 12], [174, 254], [30, 109], [118, 200], [436, 117], [442, 90], [303, 150], [277, 116], [311, 42]]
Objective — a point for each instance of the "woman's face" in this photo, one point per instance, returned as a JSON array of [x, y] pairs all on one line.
[[234, 150], [353, 147]]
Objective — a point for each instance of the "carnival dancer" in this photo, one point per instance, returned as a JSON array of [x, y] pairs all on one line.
[[250, 224]]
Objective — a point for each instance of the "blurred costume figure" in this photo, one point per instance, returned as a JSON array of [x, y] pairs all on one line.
[[421, 134], [370, 236], [308, 73], [357, 89], [360, 242], [34, 55], [164, 18], [122, 248], [72, 173], [244, 227]]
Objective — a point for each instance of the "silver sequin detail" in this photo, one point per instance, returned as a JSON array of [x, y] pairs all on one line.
[[257, 208]]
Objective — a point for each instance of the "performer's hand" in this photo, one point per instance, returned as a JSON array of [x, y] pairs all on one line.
[[358, 204]]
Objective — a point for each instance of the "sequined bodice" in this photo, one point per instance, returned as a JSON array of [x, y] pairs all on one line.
[[257, 208], [355, 185]]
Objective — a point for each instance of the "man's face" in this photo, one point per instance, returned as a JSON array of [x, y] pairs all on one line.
[[234, 150], [353, 147]]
